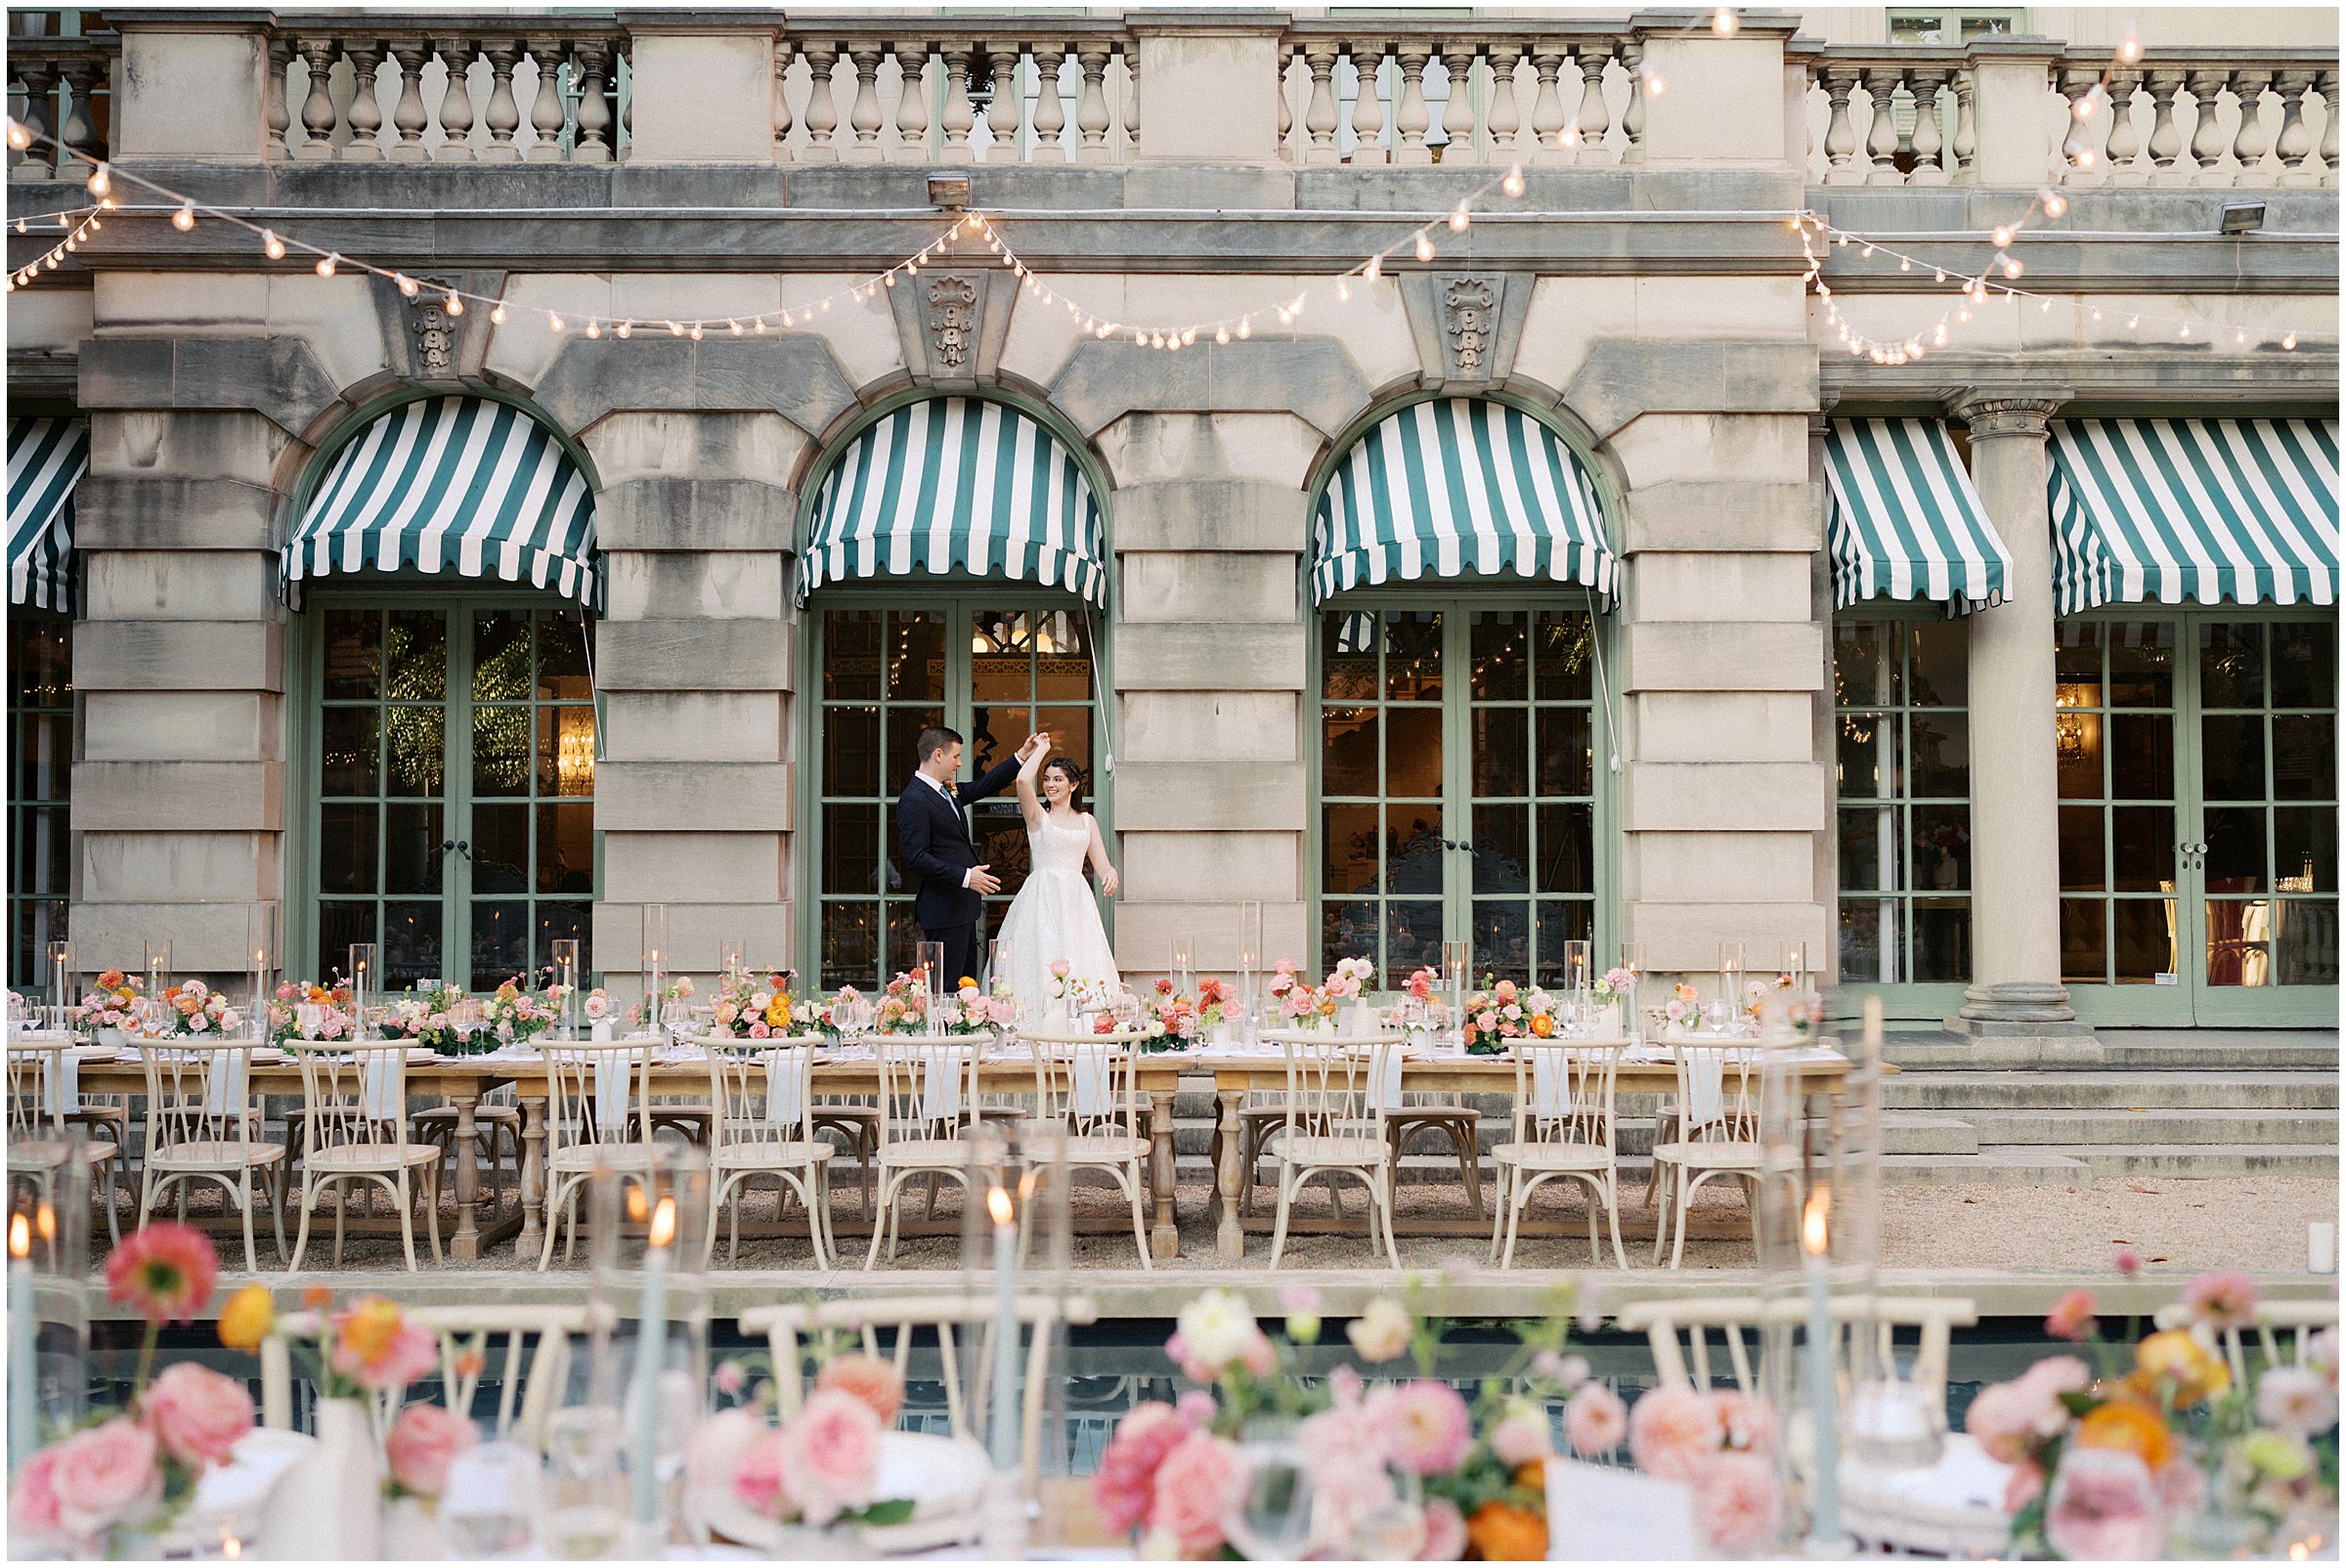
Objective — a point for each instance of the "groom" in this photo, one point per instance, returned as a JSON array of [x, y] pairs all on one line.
[[934, 837]]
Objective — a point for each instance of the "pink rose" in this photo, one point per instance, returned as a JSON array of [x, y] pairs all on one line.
[[2222, 1298], [1445, 1532], [1058, 969], [729, 1378], [2104, 1507], [33, 1501], [1193, 1492], [2026, 1485], [105, 1476], [1595, 1421], [832, 1454], [761, 1473], [197, 1414], [1125, 1483], [760, 1031], [1999, 1419], [1520, 1437], [2073, 1315], [1672, 1431], [1197, 1407], [1428, 1429], [1735, 1501], [421, 1445], [1744, 1423], [714, 1455]]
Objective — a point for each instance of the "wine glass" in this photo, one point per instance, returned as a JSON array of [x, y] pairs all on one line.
[[489, 1504], [1124, 1008], [583, 1516], [1270, 1517]]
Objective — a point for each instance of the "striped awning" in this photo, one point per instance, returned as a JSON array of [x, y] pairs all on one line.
[[2206, 510], [457, 484], [1905, 521], [957, 485], [46, 459], [1459, 486]]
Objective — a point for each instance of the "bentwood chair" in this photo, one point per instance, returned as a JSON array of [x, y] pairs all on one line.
[[1335, 1125], [201, 1127], [1563, 1129], [2284, 1331], [1717, 1132], [1933, 1319], [353, 1117], [527, 1349], [598, 1115], [1089, 1116], [931, 1123], [762, 1092], [41, 1131]]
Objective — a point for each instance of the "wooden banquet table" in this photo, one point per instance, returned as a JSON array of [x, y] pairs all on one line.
[[1234, 1070]]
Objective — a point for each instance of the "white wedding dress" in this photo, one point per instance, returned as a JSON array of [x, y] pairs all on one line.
[[1054, 917]]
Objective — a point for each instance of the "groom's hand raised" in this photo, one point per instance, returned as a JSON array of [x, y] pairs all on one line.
[[980, 880]]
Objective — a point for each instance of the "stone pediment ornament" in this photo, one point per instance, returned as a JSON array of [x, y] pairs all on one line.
[[434, 333], [951, 304], [1469, 322]]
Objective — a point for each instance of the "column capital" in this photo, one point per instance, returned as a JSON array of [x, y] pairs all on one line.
[[1991, 413]]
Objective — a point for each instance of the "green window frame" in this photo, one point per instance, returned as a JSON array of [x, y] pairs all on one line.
[[1506, 840], [445, 768], [40, 787], [1902, 825], [993, 661]]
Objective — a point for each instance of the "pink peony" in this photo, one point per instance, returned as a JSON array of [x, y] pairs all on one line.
[[1445, 1532], [422, 1443], [875, 1381], [1125, 1483], [1735, 1503], [1197, 1407], [1519, 1437], [760, 1475], [2222, 1298], [729, 1378], [1672, 1431], [1428, 1429], [1193, 1487], [2296, 1400], [32, 1499], [2127, 1261], [105, 1476], [714, 1455], [1596, 1420], [197, 1414], [2071, 1317], [832, 1454], [1744, 1423], [163, 1272], [1999, 1419], [2104, 1508]]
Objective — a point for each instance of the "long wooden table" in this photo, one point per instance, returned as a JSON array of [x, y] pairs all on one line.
[[463, 1081]]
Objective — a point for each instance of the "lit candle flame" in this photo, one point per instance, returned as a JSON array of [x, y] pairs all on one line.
[[997, 1203], [636, 1204], [44, 1220], [664, 1223], [1814, 1236], [20, 1236]]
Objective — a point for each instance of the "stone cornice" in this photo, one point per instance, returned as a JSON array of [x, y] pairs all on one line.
[[2163, 377]]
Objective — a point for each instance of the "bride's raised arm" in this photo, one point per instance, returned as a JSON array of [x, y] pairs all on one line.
[[1030, 768], [1098, 857]]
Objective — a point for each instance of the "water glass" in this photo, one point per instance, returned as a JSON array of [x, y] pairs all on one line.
[[489, 1505], [1125, 1009], [584, 1515], [1270, 1518]]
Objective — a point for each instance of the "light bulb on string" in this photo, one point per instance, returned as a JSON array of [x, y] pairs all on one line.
[[554, 322], [1374, 268], [1458, 219], [185, 218], [1221, 335], [594, 329], [2130, 49], [1513, 181], [625, 329], [1343, 292], [1425, 246], [2002, 236], [734, 328], [326, 265], [2290, 342], [407, 285], [1722, 22], [454, 304], [2055, 203], [695, 333], [272, 246], [496, 313], [1246, 326], [20, 135], [757, 325], [99, 182]]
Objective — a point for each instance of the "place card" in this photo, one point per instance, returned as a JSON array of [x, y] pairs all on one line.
[[1618, 1515]]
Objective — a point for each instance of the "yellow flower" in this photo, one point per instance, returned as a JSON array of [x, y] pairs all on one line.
[[2173, 1355], [777, 1011], [247, 1316], [369, 1327]]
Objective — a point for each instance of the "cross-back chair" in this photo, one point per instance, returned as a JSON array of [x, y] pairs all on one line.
[[354, 1120], [597, 1115], [1732, 1319], [530, 1343], [42, 1130], [1335, 1124], [2284, 1331], [1562, 1129], [201, 1127], [1090, 1116], [765, 1125], [1717, 1134], [931, 1123]]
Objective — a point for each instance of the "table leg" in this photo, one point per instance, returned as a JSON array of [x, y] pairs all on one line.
[[464, 1152], [1230, 1241], [1165, 1237], [526, 1245]]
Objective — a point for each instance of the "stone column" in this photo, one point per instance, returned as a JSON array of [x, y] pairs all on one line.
[[2016, 823]]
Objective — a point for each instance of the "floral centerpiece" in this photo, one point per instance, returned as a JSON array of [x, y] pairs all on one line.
[[1504, 1011], [1079, 993], [1299, 1003], [1180, 1019], [430, 1015], [750, 1005], [333, 1019], [118, 1479], [1684, 1010], [517, 1014], [677, 988], [821, 1467], [2176, 1452], [904, 1005], [980, 1012], [190, 1010], [108, 1006]]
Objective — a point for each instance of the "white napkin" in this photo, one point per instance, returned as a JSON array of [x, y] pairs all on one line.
[[1552, 1087], [379, 1099], [65, 1084], [1091, 1075], [227, 1088], [1385, 1076], [613, 1072], [1705, 1102], [1620, 1516], [785, 1088], [941, 1083]]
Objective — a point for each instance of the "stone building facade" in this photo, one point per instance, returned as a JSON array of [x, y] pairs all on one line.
[[1671, 736]]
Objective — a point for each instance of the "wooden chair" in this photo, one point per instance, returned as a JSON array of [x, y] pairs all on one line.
[[1717, 1132], [201, 1127], [1563, 1129], [353, 1117], [1935, 1318], [41, 1131], [2283, 1329], [764, 1126], [789, 1326], [1338, 1089], [931, 1123], [535, 1346], [579, 1074], [1090, 1116]]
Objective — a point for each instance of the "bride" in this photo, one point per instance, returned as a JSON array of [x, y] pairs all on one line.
[[1054, 917]]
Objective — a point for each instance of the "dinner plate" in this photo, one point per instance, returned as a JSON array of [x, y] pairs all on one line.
[[945, 1477]]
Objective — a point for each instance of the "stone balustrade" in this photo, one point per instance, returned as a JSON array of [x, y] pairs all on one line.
[[1443, 91], [2199, 117], [1901, 115], [60, 87]]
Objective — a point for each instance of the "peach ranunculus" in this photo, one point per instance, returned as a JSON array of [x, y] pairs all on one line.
[[830, 1453], [2221, 1299], [875, 1381], [1193, 1492], [2174, 1356], [1427, 1425], [164, 1272], [1382, 1332], [1521, 1436], [2073, 1315], [197, 1414], [1672, 1431], [105, 1476], [2104, 1507], [2129, 1428], [421, 1444], [1445, 1532], [1596, 1420], [1736, 1504], [374, 1346]]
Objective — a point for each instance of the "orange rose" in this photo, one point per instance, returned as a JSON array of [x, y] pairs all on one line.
[[2194, 1373], [1543, 1025], [1501, 1532], [1533, 1474], [2128, 1428]]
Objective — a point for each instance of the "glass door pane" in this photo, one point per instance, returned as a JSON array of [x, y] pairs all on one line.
[[382, 791], [2116, 720]]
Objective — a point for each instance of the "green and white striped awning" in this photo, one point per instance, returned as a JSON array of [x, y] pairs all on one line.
[[457, 484], [1905, 521], [46, 459], [1459, 486], [957, 485], [2208, 510]]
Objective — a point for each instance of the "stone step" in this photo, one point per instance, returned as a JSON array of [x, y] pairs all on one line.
[[2163, 1050], [2200, 1160], [1927, 1132], [2121, 1090], [1989, 1167], [2177, 1127]]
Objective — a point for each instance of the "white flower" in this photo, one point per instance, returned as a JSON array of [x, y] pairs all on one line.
[[760, 1001], [2297, 1400], [1216, 1328], [1382, 1332]]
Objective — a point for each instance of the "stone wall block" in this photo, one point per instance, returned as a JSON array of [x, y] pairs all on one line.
[[1212, 514], [703, 95], [277, 376], [1311, 376], [216, 726], [696, 867], [159, 797], [719, 585], [673, 444], [1624, 379], [1717, 867], [1220, 726], [1196, 796], [1737, 726], [1724, 514], [793, 375], [692, 726], [1721, 656], [134, 866], [1148, 445], [1724, 798], [683, 655], [206, 937], [1145, 933], [693, 796], [1261, 866], [1203, 586], [1176, 657], [1745, 585], [148, 444], [174, 585], [134, 511], [1682, 939], [694, 515], [188, 92], [694, 931], [179, 656]]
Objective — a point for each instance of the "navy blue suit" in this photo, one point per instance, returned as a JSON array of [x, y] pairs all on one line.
[[934, 837]]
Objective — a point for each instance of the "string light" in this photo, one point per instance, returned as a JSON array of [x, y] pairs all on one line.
[[409, 285], [100, 183], [272, 246], [454, 304], [326, 265], [185, 218], [1425, 246], [496, 313], [1722, 22]]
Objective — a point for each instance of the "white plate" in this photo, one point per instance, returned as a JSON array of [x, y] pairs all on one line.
[[945, 1477]]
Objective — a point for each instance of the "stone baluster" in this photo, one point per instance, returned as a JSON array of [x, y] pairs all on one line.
[[2166, 137], [80, 129], [1633, 114], [1091, 114], [549, 115], [2326, 84], [1594, 118], [1506, 118], [40, 100], [1368, 109], [279, 115], [1288, 55], [503, 114], [863, 112], [1882, 132], [597, 69], [456, 102], [1002, 107], [366, 114], [2207, 140], [1319, 109], [912, 102], [2295, 144], [2249, 143], [1930, 140], [1458, 114], [1410, 120], [959, 117], [407, 117], [1547, 105], [1050, 113], [2080, 161], [1966, 145], [822, 104], [1131, 101], [783, 54], [2125, 144], [1840, 137]]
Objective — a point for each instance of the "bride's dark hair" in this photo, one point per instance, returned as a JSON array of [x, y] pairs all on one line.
[[1074, 774]]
